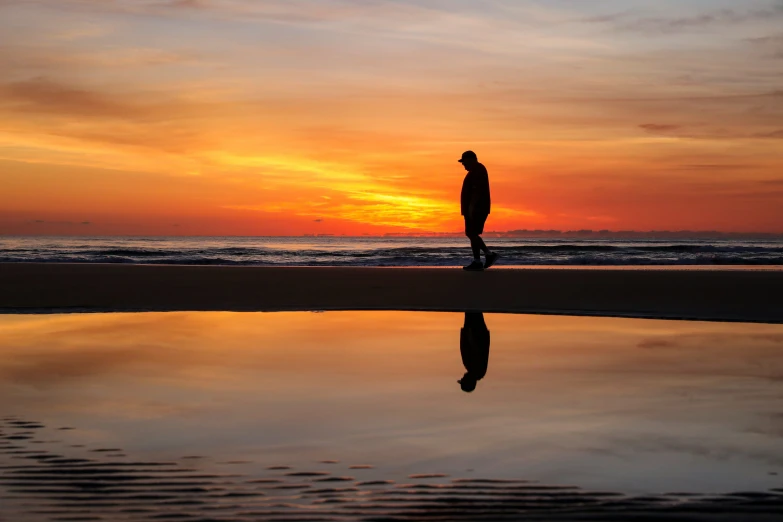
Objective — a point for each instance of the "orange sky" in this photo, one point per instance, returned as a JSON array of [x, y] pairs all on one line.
[[337, 116]]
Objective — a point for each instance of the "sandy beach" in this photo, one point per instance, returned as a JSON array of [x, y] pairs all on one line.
[[678, 294]]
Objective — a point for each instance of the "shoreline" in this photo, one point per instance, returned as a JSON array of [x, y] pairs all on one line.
[[704, 295], [628, 267]]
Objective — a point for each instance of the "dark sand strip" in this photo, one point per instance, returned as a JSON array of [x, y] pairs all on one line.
[[677, 294]]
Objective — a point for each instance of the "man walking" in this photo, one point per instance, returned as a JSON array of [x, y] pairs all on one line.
[[475, 203]]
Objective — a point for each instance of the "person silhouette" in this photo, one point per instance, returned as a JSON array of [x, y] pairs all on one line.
[[474, 348], [475, 203]]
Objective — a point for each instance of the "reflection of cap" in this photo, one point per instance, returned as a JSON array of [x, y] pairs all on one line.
[[468, 155]]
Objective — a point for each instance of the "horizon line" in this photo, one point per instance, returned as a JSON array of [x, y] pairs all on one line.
[[495, 234]]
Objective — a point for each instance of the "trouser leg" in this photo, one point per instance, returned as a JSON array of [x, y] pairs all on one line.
[[482, 245], [475, 245]]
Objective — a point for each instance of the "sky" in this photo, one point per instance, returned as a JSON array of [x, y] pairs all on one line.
[[288, 117]]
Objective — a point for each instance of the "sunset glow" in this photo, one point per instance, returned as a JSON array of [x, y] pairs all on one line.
[[244, 117]]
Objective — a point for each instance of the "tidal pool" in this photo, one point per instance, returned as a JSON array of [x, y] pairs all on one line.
[[360, 416]]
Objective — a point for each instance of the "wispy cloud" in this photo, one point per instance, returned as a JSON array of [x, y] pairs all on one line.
[[776, 39], [67, 223], [51, 97], [659, 127], [50, 59], [636, 22], [298, 11], [776, 134]]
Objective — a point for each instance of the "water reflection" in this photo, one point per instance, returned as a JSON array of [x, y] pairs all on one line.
[[618, 404], [474, 347]]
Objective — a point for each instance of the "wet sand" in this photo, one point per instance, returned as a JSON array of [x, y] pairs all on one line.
[[677, 294], [47, 479]]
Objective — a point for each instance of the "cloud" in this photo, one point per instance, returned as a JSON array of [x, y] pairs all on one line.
[[50, 59], [778, 134], [282, 11], [770, 44], [673, 24], [46, 110], [659, 128], [732, 115], [708, 166], [657, 343], [776, 39], [44, 95], [66, 223], [607, 18]]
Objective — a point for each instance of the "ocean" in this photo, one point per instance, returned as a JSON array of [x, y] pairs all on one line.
[[384, 251]]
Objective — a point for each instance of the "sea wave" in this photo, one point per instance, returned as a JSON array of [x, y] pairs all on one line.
[[363, 252]]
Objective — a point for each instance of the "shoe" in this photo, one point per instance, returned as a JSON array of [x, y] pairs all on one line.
[[491, 259], [475, 266]]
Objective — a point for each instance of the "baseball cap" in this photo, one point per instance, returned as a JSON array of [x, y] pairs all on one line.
[[468, 155]]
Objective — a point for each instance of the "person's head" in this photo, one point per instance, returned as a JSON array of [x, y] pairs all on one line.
[[467, 383], [468, 159]]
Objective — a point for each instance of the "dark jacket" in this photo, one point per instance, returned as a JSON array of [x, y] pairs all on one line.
[[475, 189]]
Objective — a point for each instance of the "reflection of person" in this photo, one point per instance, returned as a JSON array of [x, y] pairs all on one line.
[[475, 203], [474, 348]]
